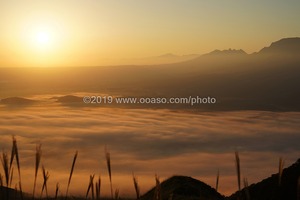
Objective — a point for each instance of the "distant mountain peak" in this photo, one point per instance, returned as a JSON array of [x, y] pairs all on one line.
[[228, 52], [291, 40], [290, 45]]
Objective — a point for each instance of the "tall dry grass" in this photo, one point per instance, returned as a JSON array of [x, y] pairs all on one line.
[[107, 156], [90, 187], [1, 184], [5, 165], [16, 154], [1, 180], [94, 188], [238, 172], [117, 193], [11, 176], [44, 187], [71, 173], [238, 169], [136, 186], [217, 180], [16, 192], [157, 193], [11, 169], [246, 186], [56, 191], [98, 187], [38, 155]]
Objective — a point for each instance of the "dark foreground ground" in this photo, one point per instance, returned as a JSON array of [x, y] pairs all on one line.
[[187, 188]]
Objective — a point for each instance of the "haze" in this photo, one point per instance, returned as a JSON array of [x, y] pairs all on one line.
[[81, 33], [245, 54]]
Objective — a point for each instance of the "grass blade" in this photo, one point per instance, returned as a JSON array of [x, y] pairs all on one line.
[[38, 155], [238, 169], [90, 187], [1, 180], [136, 186], [217, 181], [157, 194], [88, 190], [93, 192], [246, 186], [107, 156], [45, 177], [117, 192], [21, 191], [16, 152], [16, 191], [71, 173], [11, 176], [13, 153], [1, 185], [98, 186], [4, 161], [56, 190]]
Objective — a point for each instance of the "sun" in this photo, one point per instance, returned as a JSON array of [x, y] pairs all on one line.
[[43, 39]]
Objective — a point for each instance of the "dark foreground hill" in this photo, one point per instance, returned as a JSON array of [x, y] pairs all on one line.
[[269, 188], [10, 194], [184, 188]]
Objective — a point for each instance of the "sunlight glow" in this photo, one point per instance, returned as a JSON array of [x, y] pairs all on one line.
[[43, 39]]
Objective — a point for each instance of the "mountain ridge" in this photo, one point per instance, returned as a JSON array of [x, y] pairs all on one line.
[[290, 45], [261, 81], [227, 52]]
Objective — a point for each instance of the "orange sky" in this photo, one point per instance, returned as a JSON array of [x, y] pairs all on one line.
[[80, 33]]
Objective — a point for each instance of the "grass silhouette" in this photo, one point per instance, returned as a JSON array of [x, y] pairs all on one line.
[[94, 187]]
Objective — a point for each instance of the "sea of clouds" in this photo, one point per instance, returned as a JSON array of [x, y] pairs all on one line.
[[148, 142]]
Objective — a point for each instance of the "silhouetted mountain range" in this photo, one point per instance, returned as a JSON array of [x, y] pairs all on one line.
[[267, 80], [286, 45], [227, 52]]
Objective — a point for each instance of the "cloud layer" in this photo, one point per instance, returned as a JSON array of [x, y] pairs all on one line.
[[146, 142]]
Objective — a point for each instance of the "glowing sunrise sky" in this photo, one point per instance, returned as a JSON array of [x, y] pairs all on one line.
[[80, 33]]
